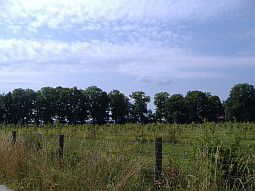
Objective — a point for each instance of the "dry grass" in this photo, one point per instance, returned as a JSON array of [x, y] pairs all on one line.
[[25, 168], [93, 164]]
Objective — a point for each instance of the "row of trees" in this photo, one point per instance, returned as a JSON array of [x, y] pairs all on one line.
[[77, 106], [194, 107], [71, 105]]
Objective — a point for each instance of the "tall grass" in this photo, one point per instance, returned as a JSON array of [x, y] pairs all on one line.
[[26, 168], [112, 157]]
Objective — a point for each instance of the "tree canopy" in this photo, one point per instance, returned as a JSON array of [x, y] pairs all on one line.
[[160, 100], [176, 110], [98, 104], [119, 106], [240, 105], [139, 106], [78, 106]]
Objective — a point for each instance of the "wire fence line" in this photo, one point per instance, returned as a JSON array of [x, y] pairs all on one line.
[[71, 139], [185, 151], [160, 153]]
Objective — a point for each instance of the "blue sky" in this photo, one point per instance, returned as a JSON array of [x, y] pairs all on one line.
[[129, 45]]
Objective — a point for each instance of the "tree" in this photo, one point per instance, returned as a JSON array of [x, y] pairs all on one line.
[[98, 104], [71, 105], [2, 108], [23, 105], [215, 107], [150, 117], [119, 106], [197, 106], [7, 108], [62, 103], [139, 106], [240, 105], [78, 105], [176, 110], [47, 104], [160, 100], [17, 106]]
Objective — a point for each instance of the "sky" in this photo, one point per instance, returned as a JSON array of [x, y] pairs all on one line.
[[154, 46]]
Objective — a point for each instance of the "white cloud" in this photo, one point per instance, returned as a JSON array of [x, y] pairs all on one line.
[[33, 14], [149, 63], [162, 80], [153, 41]]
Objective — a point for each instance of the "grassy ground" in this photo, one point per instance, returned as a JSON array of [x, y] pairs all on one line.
[[205, 156]]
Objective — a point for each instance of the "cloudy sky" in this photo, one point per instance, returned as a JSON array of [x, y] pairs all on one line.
[[129, 45]]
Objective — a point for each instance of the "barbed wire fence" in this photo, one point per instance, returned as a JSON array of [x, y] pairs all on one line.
[[161, 154]]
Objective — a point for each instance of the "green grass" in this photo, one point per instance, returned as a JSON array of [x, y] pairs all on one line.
[[206, 156]]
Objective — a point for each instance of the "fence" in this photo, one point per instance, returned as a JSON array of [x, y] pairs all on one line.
[[158, 150], [168, 163]]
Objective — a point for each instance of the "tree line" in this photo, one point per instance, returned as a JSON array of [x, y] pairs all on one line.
[[93, 105]]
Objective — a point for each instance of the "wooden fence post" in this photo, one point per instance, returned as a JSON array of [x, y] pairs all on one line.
[[14, 137], [158, 153], [61, 146]]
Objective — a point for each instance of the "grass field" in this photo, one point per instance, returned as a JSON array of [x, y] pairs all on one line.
[[207, 156]]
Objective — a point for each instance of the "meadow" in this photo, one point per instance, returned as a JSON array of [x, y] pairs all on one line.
[[208, 156]]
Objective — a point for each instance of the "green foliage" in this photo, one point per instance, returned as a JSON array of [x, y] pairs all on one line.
[[194, 107], [93, 105], [98, 103], [139, 106], [47, 104], [160, 100], [197, 105], [176, 109], [17, 106], [240, 105], [119, 106]]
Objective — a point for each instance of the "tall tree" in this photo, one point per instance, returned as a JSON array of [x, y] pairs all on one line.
[[215, 107], [240, 105], [98, 104], [7, 108], [119, 106], [160, 100], [23, 104], [62, 103], [197, 105], [78, 105], [47, 104], [176, 109], [2, 108], [139, 107]]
